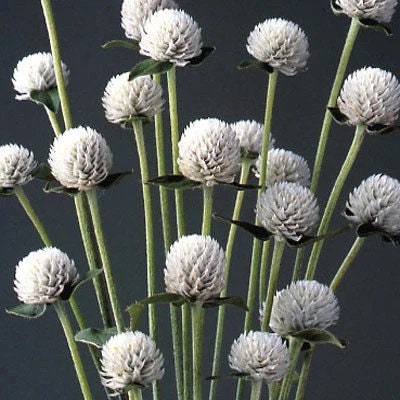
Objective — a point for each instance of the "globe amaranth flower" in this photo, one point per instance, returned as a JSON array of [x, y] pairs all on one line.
[[303, 305], [80, 158], [377, 202], [17, 165], [35, 72], [250, 135], [209, 152], [285, 166], [124, 99], [281, 44], [135, 13], [377, 10], [171, 35], [44, 275], [195, 268], [370, 96], [262, 355], [130, 358], [287, 210]]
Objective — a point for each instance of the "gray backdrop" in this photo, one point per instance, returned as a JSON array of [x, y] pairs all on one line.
[[35, 363]]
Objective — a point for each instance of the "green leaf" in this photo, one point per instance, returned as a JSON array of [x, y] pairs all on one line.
[[43, 172], [231, 375], [114, 179], [338, 116], [174, 182], [49, 98], [240, 186], [28, 310], [6, 192], [90, 275], [226, 301], [319, 336], [257, 65], [95, 337], [135, 312], [128, 44], [56, 188], [375, 25], [149, 67], [205, 52], [366, 230]]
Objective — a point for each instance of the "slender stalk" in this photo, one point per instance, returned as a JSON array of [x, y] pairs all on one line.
[[54, 122], [207, 210], [344, 267], [298, 264], [135, 394], [197, 343], [333, 198], [262, 283], [98, 230], [305, 369], [69, 335], [344, 59], [273, 391], [256, 386], [279, 246], [187, 370]]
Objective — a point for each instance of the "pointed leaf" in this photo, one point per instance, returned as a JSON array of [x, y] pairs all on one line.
[[366, 230], [319, 336], [257, 65], [336, 8], [114, 179], [49, 98], [163, 298], [149, 67], [381, 129], [205, 52], [174, 182], [338, 116], [226, 301], [28, 310], [95, 337], [240, 186], [231, 375], [90, 275], [128, 44], [375, 25], [56, 188], [43, 172], [6, 192]]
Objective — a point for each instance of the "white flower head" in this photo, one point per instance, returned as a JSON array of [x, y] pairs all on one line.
[[288, 210], [80, 158], [209, 152], [17, 165], [262, 355], [35, 72], [377, 10], [130, 358], [377, 202], [195, 267], [171, 35], [285, 166], [124, 100], [135, 13], [370, 96], [281, 44], [44, 275], [303, 305]]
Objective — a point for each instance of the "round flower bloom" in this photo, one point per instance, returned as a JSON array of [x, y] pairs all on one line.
[[377, 10], [287, 210], [80, 158], [303, 305], [285, 166], [370, 96], [130, 358], [35, 72], [377, 202], [195, 268], [171, 35], [209, 152], [281, 44], [124, 99], [135, 13], [44, 275], [262, 355], [16, 165]]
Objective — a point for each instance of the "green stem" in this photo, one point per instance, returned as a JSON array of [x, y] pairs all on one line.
[[333, 198], [256, 386], [207, 210], [279, 246], [98, 230], [135, 394], [187, 370], [55, 51], [344, 267], [54, 122], [305, 369], [344, 59], [262, 283], [197, 343], [298, 264], [177, 349], [69, 335], [273, 391]]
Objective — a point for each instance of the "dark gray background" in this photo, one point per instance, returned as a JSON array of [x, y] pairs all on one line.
[[35, 363]]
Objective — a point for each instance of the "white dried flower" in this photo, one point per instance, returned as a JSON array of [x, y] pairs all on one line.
[[285, 166], [195, 268], [16, 165], [281, 44], [35, 72], [171, 35], [370, 96], [130, 358], [377, 10], [209, 152], [377, 202], [80, 158], [287, 210], [135, 13], [44, 275], [263, 355], [124, 99], [303, 305]]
